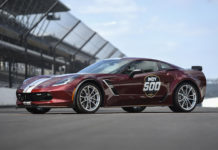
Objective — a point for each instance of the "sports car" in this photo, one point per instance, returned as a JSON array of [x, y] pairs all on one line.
[[130, 83]]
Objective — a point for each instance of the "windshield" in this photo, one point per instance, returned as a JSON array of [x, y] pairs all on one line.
[[110, 66]]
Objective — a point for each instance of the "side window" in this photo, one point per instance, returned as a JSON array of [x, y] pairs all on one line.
[[145, 66], [164, 66]]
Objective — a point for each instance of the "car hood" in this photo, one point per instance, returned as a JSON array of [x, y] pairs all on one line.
[[43, 81]]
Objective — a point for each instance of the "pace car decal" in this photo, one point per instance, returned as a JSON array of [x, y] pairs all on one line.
[[152, 85]]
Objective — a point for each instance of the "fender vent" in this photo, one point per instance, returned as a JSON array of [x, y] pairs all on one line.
[[111, 87]]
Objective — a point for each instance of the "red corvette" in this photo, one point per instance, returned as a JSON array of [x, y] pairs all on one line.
[[130, 83]]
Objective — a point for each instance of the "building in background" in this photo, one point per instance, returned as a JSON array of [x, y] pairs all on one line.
[[43, 37]]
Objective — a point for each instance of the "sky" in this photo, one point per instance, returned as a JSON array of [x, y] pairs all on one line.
[[181, 32]]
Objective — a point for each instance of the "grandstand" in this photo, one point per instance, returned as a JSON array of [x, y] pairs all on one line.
[[43, 37]]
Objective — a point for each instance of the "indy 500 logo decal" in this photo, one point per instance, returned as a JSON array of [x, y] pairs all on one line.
[[152, 85]]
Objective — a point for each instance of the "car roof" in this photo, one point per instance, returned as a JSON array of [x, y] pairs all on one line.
[[138, 58], [148, 59], [130, 58]]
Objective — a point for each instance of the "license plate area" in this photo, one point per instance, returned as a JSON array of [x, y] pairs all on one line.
[[27, 103]]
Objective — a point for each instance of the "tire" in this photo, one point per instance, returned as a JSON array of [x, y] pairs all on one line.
[[136, 109], [75, 108], [37, 110], [185, 98], [88, 98]]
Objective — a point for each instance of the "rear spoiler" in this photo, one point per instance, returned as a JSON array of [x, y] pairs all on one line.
[[198, 68]]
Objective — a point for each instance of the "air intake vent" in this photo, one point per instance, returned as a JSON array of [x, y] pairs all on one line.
[[34, 97], [111, 87]]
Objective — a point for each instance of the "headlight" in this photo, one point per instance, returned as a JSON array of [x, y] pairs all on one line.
[[64, 81]]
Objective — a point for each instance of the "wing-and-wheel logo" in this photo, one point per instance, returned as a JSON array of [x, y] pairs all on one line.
[[152, 85]]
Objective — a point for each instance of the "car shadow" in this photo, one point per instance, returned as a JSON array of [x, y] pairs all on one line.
[[105, 112], [150, 112]]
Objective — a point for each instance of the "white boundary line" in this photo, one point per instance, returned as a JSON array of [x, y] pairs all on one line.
[[210, 102]]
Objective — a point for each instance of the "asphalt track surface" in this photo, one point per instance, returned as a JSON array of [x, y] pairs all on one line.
[[111, 128]]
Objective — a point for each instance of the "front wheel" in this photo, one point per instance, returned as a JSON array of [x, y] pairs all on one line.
[[185, 98], [136, 109], [37, 110], [88, 99]]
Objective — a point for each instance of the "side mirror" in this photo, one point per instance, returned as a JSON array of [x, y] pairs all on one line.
[[134, 72]]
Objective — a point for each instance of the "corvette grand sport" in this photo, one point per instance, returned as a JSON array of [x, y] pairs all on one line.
[[130, 83]]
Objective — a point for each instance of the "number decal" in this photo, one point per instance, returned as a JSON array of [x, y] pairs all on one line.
[[152, 85]]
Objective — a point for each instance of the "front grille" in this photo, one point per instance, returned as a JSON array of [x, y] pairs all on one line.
[[34, 96]]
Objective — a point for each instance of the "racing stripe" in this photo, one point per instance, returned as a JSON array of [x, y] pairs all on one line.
[[34, 84]]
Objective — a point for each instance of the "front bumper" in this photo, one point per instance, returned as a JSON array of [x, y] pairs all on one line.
[[42, 98]]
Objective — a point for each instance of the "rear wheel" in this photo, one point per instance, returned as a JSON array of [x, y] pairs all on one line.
[[88, 99], [185, 98], [37, 110], [136, 109]]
